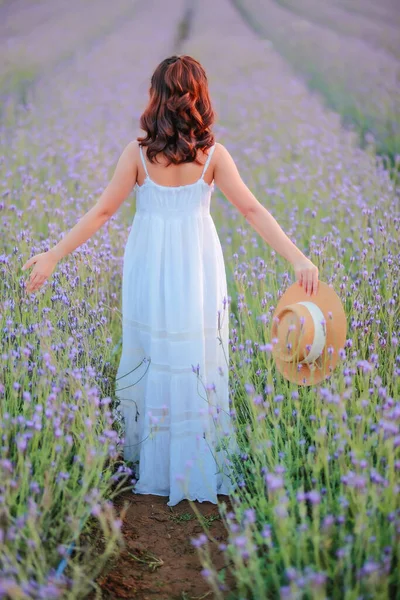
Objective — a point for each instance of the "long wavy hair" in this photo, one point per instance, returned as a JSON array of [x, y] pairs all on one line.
[[179, 115]]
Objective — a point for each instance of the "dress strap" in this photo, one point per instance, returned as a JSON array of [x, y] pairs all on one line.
[[208, 160], [143, 161]]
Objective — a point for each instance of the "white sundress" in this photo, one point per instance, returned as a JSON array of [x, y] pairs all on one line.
[[172, 379]]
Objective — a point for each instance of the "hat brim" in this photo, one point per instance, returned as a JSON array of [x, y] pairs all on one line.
[[336, 330]]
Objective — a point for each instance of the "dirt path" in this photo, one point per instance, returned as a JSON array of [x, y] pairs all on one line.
[[158, 560]]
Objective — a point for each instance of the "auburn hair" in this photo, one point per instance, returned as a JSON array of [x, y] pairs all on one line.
[[179, 115]]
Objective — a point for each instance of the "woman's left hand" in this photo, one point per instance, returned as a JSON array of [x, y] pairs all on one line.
[[45, 263]]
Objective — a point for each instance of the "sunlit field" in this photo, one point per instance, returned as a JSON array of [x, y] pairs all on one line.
[[347, 50], [317, 512]]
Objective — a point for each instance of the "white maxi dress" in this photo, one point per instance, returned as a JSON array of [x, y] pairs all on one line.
[[172, 379]]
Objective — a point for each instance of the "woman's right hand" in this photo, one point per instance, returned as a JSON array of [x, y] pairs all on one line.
[[45, 263], [307, 275]]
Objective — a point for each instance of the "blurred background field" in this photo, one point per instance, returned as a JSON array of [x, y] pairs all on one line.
[[348, 51], [307, 102]]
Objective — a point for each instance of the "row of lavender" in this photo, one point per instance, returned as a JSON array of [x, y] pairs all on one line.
[[375, 24], [36, 38], [350, 56]]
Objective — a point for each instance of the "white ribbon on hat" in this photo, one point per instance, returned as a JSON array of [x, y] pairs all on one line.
[[319, 340]]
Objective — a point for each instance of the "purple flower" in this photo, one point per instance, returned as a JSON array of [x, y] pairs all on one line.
[[274, 482], [314, 497]]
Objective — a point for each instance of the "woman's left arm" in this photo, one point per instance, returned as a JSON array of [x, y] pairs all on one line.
[[116, 192]]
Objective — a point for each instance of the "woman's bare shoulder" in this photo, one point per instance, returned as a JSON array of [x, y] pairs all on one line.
[[220, 149], [221, 155]]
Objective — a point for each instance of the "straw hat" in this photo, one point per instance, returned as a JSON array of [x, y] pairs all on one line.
[[316, 341]]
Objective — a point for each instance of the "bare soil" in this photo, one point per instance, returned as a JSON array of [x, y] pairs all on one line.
[[159, 561]]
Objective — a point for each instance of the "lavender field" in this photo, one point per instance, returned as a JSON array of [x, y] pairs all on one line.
[[348, 50], [317, 513]]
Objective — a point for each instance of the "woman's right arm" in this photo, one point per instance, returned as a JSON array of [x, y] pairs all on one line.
[[229, 181]]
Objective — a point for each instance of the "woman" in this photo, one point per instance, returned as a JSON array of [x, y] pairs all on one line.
[[172, 380]]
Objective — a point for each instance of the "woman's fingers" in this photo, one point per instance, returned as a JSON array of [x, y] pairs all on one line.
[[306, 281], [29, 284], [35, 281], [307, 276], [316, 284], [44, 266], [29, 262], [34, 288], [311, 283], [38, 283]]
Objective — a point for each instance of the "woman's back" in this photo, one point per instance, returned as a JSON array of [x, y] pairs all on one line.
[[180, 175], [180, 200]]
